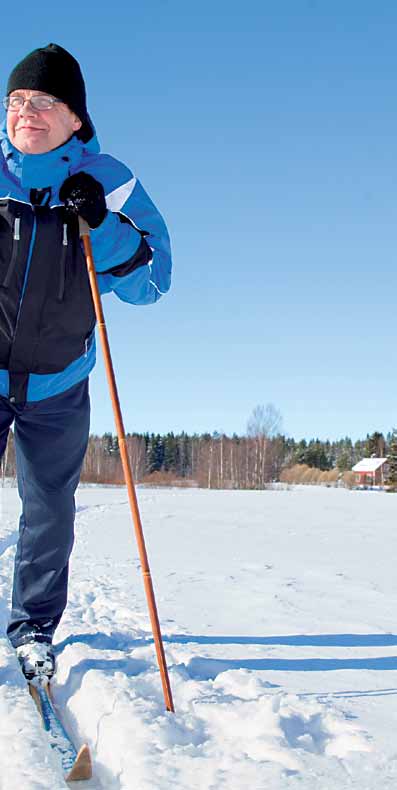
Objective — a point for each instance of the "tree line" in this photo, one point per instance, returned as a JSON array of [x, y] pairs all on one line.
[[216, 460]]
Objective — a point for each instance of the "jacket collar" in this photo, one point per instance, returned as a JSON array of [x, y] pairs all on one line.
[[36, 171]]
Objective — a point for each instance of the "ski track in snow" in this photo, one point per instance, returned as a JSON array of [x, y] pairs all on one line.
[[308, 703]]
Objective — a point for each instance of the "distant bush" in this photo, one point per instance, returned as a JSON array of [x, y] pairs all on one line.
[[349, 479], [167, 479], [302, 474]]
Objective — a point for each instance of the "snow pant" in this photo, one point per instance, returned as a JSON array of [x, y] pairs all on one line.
[[51, 438]]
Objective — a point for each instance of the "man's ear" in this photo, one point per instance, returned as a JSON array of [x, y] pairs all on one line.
[[77, 124]]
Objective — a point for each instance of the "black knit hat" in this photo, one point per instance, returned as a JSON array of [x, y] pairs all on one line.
[[55, 71]]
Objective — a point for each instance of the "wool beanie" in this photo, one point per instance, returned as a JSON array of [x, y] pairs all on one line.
[[53, 70]]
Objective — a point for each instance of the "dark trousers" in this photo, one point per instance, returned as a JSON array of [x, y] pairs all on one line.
[[51, 438]]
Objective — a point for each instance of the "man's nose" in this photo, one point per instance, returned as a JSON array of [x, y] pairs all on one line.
[[27, 108]]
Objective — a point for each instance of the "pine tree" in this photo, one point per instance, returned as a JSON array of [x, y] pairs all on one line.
[[300, 452], [183, 454], [110, 444], [344, 454], [359, 450], [344, 463], [107, 443], [316, 455], [170, 452], [154, 453], [375, 445], [392, 462]]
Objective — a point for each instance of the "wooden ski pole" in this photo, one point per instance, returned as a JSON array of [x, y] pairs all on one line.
[[147, 579]]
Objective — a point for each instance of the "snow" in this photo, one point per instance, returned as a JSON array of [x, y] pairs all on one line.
[[278, 612], [369, 464]]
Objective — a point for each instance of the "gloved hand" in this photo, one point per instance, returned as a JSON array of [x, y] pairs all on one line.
[[84, 195]]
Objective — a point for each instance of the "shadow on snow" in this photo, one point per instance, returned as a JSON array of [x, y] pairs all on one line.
[[297, 640], [122, 641], [204, 668], [200, 668]]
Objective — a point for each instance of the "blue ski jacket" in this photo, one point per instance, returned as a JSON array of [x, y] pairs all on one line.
[[47, 322]]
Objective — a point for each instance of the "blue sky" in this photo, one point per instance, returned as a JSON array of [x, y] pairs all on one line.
[[266, 133]]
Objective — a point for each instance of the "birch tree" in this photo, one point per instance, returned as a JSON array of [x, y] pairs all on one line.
[[263, 425]]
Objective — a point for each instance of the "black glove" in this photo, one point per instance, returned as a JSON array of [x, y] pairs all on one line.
[[84, 195]]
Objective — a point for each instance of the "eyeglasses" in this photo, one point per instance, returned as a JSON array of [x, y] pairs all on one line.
[[39, 102]]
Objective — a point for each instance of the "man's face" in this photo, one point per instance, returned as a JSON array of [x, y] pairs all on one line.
[[38, 131]]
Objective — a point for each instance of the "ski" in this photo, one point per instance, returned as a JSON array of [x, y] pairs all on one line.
[[76, 765]]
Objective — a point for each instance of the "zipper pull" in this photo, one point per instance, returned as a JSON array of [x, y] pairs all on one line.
[[86, 348], [14, 253], [62, 264]]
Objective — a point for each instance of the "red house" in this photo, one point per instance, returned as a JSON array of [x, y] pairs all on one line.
[[370, 472]]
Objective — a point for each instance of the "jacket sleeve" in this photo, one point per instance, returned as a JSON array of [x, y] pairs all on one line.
[[131, 247]]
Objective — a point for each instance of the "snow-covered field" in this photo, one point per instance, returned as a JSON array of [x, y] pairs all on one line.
[[279, 615]]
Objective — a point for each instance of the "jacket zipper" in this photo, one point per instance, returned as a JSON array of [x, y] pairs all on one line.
[[62, 273], [30, 253], [14, 254]]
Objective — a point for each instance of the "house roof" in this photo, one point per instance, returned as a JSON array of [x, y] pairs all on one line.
[[369, 464]]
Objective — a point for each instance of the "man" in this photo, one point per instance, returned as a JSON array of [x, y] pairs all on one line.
[[51, 171]]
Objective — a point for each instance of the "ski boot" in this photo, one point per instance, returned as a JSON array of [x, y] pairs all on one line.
[[37, 660]]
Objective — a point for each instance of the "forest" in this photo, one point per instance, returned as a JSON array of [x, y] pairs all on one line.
[[262, 456]]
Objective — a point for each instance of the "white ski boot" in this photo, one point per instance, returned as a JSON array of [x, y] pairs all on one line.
[[37, 660]]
